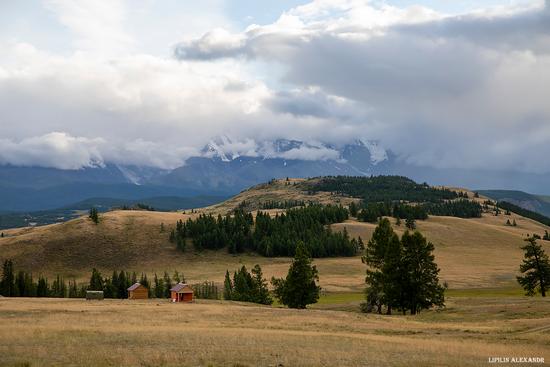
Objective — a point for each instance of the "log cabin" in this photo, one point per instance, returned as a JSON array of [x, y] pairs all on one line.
[[138, 291]]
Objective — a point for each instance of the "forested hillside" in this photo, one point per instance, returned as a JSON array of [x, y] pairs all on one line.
[[381, 189]]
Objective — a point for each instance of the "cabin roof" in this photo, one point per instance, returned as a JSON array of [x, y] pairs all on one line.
[[134, 287], [181, 288]]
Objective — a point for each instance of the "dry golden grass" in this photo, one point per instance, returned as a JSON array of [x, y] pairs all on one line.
[[45, 332], [470, 252]]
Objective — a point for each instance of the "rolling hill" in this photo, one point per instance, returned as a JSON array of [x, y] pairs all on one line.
[[536, 203], [472, 253]]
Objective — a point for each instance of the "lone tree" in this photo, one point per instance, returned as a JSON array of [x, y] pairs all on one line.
[[421, 287], [300, 288], [94, 216], [536, 269], [410, 223]]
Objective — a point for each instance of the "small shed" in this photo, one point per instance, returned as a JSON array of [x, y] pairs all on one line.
[[94, 295], [138, 291], [181, 292]]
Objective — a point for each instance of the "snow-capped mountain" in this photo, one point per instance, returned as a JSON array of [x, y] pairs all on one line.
[[229, 165], [225, 167]]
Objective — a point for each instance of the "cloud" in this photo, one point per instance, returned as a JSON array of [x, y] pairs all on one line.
[[55, 149], [451, 91]]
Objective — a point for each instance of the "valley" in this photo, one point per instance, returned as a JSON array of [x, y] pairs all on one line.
[[485, 314]]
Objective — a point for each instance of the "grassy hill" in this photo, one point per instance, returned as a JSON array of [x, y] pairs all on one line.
[[472, 253], [536, 203]]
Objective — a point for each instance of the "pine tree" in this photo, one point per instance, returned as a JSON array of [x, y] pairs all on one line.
[[123, 285], [546, 236], [300, 286], [379, 249], [421, 288], [94, 215], [536, 269], [42, 289], [262, 295], [508, 223], [167, 285], [514, 224], [227, 287], [7, 285], [410, 223], [73, 289], [96, 281], [159, 287]]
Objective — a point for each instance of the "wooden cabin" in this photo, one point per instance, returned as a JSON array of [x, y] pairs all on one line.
[[138, 291], [181, 292]]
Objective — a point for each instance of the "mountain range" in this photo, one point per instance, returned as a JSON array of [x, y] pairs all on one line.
[[225, 167]]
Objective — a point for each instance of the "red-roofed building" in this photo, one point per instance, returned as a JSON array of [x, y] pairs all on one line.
[[181, 292]]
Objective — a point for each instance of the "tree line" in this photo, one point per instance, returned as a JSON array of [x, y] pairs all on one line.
[[402, 273], [382, 189], [270, 236], [461, 208], [21, 284]]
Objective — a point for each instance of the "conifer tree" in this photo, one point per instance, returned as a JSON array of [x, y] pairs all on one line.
[[42, 289], [227, 287], [421, 287], [96, 281], [94, 215], [261, 295], [158, 287], [535, 269], [7, 285], [410, 223], [299, 288], [167, 285]]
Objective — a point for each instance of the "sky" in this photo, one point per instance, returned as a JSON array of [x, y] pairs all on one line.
[[446, 84]]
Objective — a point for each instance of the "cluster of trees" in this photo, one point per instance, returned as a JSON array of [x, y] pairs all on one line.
[[401, 273], [271, 236], [300, 287], [461, 208], [206, 290], [247, 286], [208, 232], [372, 212], [383, 189], [524, 212], [287, 204], [535, 269], [22, 284], [512, 223]]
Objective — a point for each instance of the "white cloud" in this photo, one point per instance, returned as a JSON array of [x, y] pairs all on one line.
[[464, 91], [467, 91], [55, 149]]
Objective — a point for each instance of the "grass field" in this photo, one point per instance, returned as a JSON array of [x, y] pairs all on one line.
[[64, 332], [486, 314]]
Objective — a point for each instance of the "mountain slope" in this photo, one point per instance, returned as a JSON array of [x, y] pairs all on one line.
[[536, 203], [481, 252]]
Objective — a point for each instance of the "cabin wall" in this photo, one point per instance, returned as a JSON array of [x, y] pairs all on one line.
[[140, 293]]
